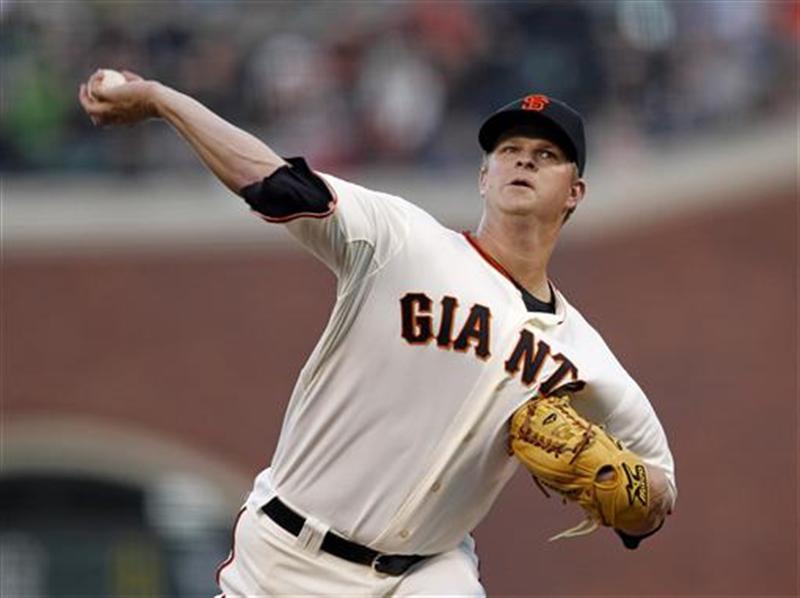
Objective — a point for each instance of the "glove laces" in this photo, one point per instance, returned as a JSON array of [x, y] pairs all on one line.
[[584, 528]]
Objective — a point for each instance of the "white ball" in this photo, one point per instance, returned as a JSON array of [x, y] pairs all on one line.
[[109, 80]]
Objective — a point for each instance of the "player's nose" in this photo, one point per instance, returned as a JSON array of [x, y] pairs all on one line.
[[526, 162]]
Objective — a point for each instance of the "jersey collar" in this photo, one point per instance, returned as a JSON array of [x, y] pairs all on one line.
[[543, 318]]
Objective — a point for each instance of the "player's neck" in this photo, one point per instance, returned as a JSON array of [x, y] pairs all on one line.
[[524, 251]]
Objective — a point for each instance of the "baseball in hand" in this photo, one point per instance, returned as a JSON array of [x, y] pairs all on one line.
[[107, 79]]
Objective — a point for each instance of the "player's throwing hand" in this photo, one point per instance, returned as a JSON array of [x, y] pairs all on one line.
[[129, 103]]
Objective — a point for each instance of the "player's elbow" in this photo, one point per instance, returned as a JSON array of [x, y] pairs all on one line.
[[289, 191]]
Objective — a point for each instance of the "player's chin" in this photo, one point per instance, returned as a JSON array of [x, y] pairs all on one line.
[[513, 190], [520, 200]]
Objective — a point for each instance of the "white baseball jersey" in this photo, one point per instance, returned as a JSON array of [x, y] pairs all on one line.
[[396, 433]]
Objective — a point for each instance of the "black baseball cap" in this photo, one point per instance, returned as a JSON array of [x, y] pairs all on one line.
[[558, 121]]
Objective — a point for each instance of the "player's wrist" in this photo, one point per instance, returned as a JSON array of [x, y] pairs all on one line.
[[632, 541], [155, 98], [643, 527], [660, 501]]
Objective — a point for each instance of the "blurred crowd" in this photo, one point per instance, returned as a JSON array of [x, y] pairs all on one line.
[[350, 84]]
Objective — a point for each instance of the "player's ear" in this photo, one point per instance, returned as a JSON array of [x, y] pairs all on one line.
[[577, 191], [482, 175]]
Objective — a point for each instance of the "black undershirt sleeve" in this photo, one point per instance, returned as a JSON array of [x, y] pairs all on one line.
[[632, 542], [291, 191]]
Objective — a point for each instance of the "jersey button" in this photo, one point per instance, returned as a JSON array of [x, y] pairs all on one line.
[[405, 534], [469, 435], [436, 487]]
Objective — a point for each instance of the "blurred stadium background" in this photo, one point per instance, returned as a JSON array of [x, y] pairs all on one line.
[[152, 329]]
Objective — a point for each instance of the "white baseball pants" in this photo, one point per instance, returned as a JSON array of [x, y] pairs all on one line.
[[266, 560]]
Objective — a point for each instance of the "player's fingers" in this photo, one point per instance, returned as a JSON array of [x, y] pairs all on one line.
[[115, 95], [97, 113], [84, 98], [94, 79], [88, 101], [95, 89], [98, 95], [101, 94], [131, 76]]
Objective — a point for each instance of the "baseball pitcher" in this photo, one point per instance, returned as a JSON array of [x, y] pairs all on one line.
[[449, 359]]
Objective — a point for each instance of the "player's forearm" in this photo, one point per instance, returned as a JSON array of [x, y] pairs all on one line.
[[236, 157]]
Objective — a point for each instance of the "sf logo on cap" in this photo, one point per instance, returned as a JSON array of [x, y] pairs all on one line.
[[535, 102]]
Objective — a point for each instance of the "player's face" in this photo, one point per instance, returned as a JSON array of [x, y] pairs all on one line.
[[527, 175]]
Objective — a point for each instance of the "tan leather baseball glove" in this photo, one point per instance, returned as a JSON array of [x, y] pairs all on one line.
[[582, 462]]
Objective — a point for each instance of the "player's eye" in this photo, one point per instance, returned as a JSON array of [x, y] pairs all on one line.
[[547, 155], [509, 149]]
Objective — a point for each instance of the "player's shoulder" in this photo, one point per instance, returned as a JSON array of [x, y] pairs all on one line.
[[346, 190], [576, 321], [585, 337]]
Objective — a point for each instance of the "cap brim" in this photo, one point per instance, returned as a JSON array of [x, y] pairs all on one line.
[[499, 123]]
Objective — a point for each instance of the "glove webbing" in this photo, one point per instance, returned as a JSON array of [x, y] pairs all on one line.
[[553, 446], [588, 525]]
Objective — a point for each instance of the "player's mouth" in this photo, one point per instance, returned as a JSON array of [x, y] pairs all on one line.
[[521, 183]]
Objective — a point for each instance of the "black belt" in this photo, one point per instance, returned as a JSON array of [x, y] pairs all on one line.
[[390, 564]]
